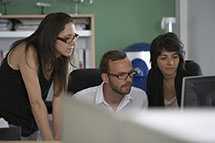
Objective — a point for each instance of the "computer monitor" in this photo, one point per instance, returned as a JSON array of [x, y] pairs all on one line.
[[198, 91]]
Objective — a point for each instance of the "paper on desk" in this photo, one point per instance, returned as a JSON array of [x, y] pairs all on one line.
[[3, 123]]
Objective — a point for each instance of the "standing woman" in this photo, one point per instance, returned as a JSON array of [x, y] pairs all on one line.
[[27, 72], [168, 69]]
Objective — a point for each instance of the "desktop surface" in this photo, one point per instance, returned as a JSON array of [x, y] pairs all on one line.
[[30, 141], [188, 125], [86, 123]]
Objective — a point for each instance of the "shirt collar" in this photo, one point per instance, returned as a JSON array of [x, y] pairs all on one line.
[[100, 95]]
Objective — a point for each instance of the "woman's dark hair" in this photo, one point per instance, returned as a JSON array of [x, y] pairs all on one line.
[[166, 42], [112, 55], [44, 40]]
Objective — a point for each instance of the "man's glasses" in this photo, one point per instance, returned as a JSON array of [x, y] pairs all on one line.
[[124, 76], [69, 39]]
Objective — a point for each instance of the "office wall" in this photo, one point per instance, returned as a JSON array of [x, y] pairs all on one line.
[[201, 33], [119, 23], [197, 31]]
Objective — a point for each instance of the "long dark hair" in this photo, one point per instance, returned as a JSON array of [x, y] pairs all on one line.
[[44, 40], [166, 42]]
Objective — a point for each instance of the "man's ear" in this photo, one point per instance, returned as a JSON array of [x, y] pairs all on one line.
[[105, 78]]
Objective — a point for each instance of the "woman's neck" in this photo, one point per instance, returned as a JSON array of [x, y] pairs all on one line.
[[169, 87], [170, 77]]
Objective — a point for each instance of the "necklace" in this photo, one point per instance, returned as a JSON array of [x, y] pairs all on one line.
[[171, 103]]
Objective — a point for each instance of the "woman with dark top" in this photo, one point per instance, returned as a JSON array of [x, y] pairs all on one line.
[[164, 81], [26, 74]]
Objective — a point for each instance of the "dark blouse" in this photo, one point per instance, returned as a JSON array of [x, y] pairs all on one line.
[[14, 103]]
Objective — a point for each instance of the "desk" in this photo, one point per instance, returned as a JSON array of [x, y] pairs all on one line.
[[85, 123], [30, 141], [193, 125]]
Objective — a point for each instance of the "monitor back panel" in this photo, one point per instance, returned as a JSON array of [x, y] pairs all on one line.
[[198, 91]]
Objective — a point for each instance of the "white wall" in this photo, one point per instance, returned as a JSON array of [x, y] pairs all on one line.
[[197, 31]]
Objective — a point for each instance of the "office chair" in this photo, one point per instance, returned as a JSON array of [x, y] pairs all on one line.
[[139, 80], [83, 78], [80, 79], [139, 54], [193, 68]]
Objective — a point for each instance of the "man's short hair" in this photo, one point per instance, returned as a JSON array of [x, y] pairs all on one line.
[[112, 55]]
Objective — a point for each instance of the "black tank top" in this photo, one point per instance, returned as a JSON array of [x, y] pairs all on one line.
[[14, 103]]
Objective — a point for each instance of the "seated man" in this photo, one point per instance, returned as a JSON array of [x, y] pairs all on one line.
[[115, 93]]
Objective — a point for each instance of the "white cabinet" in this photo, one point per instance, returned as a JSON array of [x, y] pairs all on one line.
[[85, 49]]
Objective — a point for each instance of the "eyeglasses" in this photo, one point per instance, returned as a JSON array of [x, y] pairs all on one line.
[[69, 39], [124, 76]]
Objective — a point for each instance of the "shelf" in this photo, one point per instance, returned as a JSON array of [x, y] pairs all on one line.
[[84, 33], [85, 27], [38, 16], [20, 34], [15, 34]]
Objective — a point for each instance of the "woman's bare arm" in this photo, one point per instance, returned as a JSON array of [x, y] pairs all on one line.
[[29, 72], [57, 112]]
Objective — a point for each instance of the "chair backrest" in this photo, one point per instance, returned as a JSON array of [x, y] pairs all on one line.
[[193, 68], [139, 54], [83, 78], [139, 80]]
